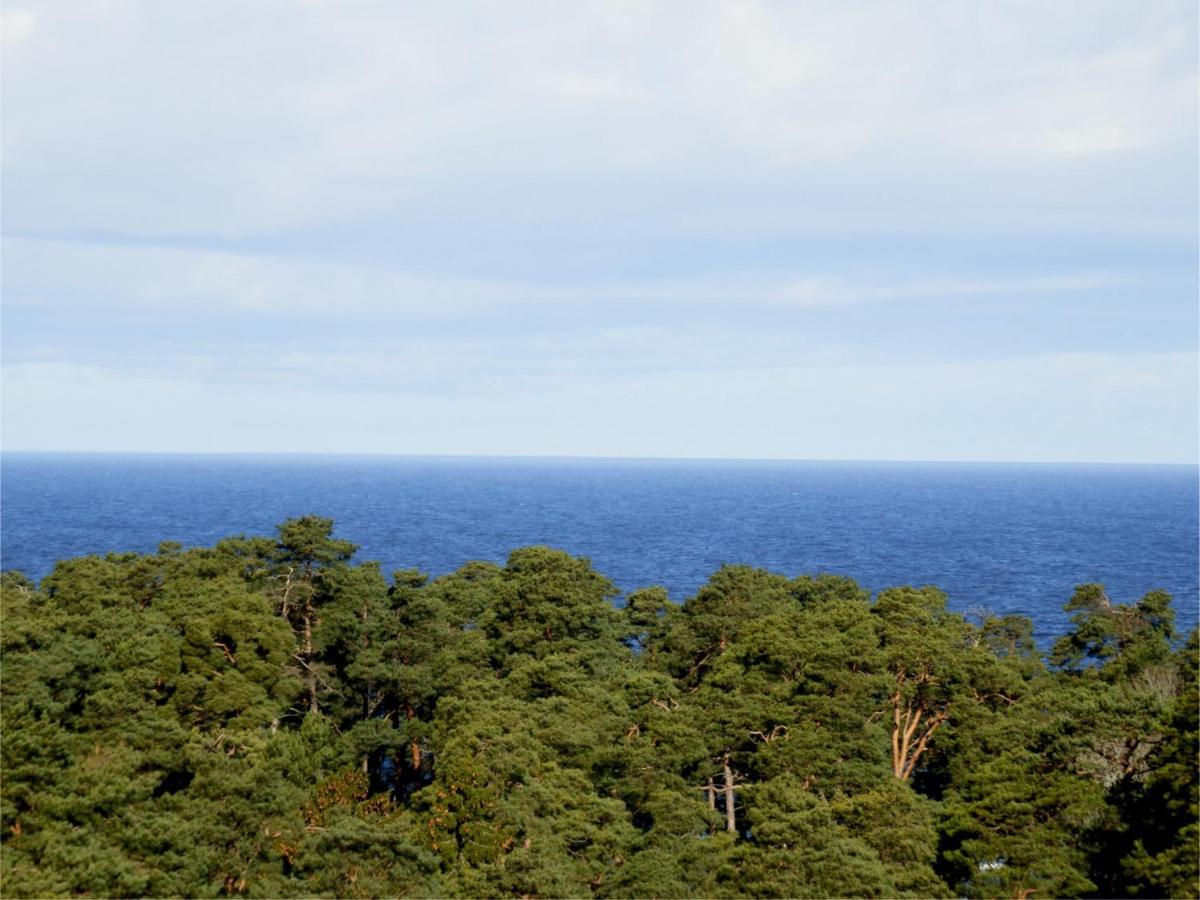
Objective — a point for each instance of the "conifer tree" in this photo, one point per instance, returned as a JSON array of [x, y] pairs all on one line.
[[268, 718]]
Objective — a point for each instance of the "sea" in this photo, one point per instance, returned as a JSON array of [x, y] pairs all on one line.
[[1000, 538]]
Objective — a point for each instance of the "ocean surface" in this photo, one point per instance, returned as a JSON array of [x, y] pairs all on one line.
[[1010, 538]]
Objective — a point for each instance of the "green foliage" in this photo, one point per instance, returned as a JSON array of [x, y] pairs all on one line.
[[1020, 808], [1127, 639], [798, 849], [1161, 808], [269, 718]]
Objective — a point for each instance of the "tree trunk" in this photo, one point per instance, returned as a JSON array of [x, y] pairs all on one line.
[[911, 731], [730, 815], [310, 669], [414, 749]]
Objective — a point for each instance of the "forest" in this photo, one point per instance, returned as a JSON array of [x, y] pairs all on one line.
[[269, 718]]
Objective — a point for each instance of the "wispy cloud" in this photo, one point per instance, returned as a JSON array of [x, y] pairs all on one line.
[[533, 209], [234, 120], [77, 274]]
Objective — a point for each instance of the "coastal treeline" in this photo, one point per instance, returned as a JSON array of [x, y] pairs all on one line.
[[268, 718]]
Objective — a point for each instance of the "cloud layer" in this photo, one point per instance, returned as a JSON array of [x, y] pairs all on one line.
[[434, 217]]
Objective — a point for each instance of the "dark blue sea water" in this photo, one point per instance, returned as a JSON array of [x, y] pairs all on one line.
[[1010, 538]]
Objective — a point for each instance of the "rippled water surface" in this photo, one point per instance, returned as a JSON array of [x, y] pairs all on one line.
[[1011, 538]]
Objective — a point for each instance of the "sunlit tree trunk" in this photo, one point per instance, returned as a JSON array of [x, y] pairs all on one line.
[[913, 724], [730, 814]]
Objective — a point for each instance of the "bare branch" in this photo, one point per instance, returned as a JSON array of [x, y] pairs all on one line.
[[225, 649]]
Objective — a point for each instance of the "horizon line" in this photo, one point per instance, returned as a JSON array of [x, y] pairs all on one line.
[[592, 457]]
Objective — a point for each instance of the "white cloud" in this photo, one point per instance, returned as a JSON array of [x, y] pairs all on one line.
[[970, 191], [16, 26], [231, 119], [77, 274]]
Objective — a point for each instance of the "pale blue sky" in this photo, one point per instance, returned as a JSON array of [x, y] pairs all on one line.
[[803, 230]]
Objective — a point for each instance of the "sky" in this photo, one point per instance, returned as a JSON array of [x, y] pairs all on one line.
[[804, 230]]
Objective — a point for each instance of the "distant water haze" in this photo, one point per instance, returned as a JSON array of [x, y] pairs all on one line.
[[1010, 538]]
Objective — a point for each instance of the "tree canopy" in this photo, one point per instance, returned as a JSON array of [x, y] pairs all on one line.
[[268, 718]]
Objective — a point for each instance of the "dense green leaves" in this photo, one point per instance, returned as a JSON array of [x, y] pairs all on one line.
[[268, 718]]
